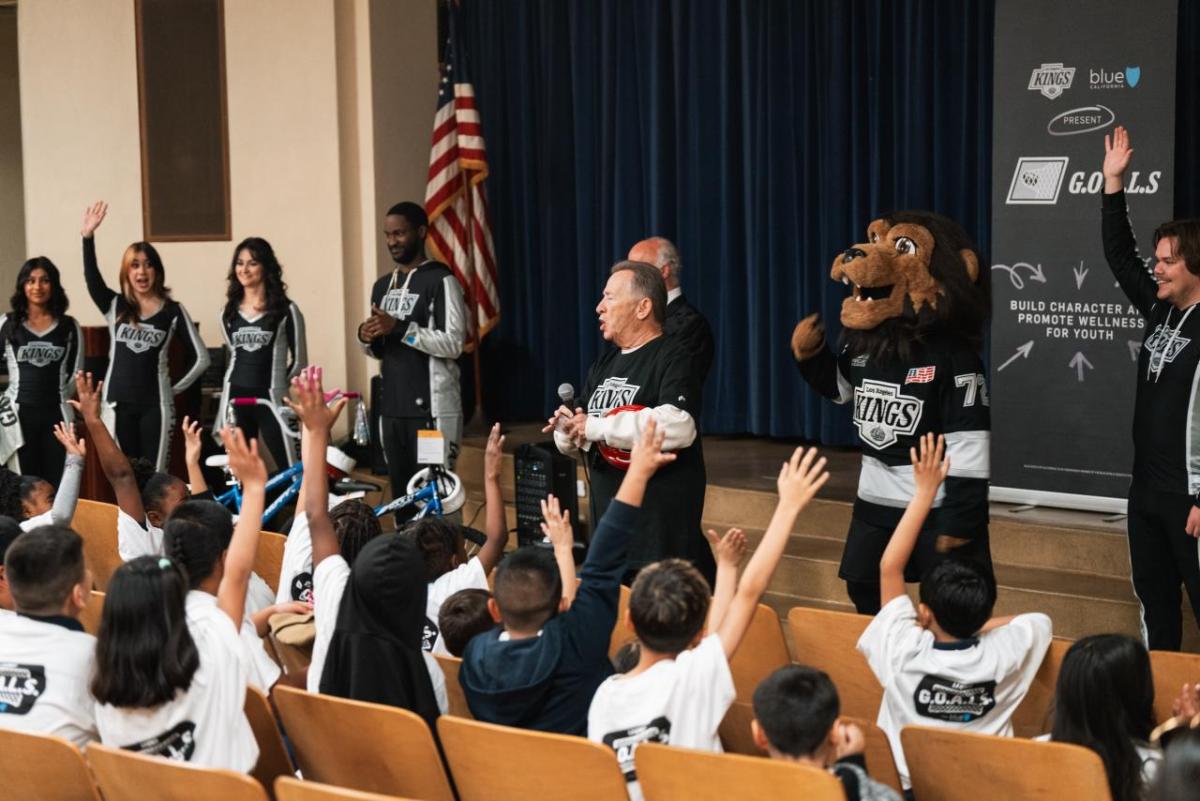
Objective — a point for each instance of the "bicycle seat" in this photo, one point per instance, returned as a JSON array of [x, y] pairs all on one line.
[[218, 460], [344, 486]]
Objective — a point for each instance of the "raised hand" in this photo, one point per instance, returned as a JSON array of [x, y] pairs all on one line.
[[808, 337], [93, 215], [244, 461], [556, 524], [191, 440], [87, 397], [727, 549], [1118, 152], [801, 477], [849, 741], [65, 433], [309, 404], [930, 466], [647, 455], [493, 456]]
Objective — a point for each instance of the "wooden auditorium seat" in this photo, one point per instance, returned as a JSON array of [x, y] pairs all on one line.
[[1171, 671], [498, 763], [292, 789], [881, 762], [953, 765], [762, 651], [826, 640], [454, 691], [44, 767], [669, 773], [1032, 716], [369, 747], [96, 522], [621, 633], [273, 759], [125, 776], [91, 614], [268, 558]]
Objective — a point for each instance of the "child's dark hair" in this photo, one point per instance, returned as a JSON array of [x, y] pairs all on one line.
[[151, 484], [961, 596], [668, 604], [439, 542], [1104, 700], [144, 651], [463, 615], [796, 706], [11, 494], [527, 588], [627, 656], [42, 567], [1179, 774], [195, 536], [29, 485], [355, 524], [9, 530]]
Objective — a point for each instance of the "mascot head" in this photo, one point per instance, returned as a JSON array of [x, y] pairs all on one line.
[[918, 273]]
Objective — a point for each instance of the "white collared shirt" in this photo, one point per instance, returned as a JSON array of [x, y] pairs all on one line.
[[44, 674]]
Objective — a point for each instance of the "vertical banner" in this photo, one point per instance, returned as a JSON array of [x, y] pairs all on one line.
[[1065, 339]]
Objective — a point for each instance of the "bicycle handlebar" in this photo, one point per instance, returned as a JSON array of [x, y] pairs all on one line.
[[329, 396]]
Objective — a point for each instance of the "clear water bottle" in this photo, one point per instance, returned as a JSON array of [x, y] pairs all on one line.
[[362, 431]]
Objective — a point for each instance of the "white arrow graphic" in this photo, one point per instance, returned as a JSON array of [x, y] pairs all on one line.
[[1134, 349], [1022, 352], [1079, 361], [1080, 274], [1035, 273]]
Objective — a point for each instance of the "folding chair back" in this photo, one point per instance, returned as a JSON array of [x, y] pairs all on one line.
[[951, 765], [1171, 671], [1032, 716], [91, 614], [273, 759], [369, 747], [669, 773], [487, 764], [127, 776], [454, 690], [735, 730], [826, 640], [44, 767], [268, 558], [762, 650], [96, 522], [291, 789]]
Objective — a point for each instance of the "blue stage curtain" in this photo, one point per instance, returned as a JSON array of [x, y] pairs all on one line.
[[760, 135]]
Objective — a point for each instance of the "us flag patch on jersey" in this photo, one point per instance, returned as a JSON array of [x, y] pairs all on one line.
[[920, 375]]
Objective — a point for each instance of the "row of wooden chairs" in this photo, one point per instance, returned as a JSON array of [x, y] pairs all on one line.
[[379, 752]]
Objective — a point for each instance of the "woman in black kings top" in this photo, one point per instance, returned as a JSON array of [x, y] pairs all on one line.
[[264, 332], [43, 349], [142, 320]]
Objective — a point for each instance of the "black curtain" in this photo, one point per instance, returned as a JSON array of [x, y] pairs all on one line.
[[760, 135]]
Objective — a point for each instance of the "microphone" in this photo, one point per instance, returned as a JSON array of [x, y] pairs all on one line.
[[566, 394]]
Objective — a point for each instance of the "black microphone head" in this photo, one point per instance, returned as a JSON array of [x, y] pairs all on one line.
[[566, 393]]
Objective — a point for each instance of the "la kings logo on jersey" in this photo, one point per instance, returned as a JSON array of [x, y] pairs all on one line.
[[177, 743], [626, 741], [1163, 346], [20, 687], [141, 338], [883, 414], [251, 338], [40, 354], [611, 394], [960, 702], [399, 303]]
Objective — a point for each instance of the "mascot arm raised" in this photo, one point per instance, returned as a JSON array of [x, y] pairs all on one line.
[[622, 430], [818, 366]]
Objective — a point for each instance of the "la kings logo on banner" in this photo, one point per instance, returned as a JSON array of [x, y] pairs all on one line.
[[177, 743], [141, 338], [883, 414], [40, 354], [20, 687], [945, 699], [1051, 79], [251, 338], [611, 394]]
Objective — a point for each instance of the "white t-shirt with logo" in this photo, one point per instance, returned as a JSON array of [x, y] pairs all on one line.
[[974, 685], [44, 673], [679, 701], [468, 576], [329, 584], [296, 565], [206, 724]]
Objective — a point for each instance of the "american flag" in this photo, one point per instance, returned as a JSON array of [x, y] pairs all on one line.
[[920, 375], [460, 230]]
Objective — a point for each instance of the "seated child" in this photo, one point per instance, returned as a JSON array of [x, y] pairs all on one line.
[[1104, 700], [45, 656], [171, 668], [540, 670], [796, 719], [682, 687], [33, 501], [945, 663], [370, 619], [462, 616], [9, 531]]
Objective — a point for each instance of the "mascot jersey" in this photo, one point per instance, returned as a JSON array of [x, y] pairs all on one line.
[[941, 388]]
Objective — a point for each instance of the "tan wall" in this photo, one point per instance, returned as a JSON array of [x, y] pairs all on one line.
[[12, 196]]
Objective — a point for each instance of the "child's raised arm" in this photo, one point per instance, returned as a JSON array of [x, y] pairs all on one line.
[[497, 523], [728, 551], [114, 463], [191, 455], [66, 494], [556, 525], [929, 471], [317, 419], [799, 480], [249, 469]]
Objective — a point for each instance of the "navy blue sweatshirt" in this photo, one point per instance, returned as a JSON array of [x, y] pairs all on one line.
[[547, 682]]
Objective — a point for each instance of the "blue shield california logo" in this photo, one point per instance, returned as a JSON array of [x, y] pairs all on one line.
[[1132, 76]]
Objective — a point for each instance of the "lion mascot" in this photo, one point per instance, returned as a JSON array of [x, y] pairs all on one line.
[[909, 360]]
